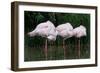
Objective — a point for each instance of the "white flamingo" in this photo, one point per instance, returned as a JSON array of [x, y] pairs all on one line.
[[65, 31], [78, 32], [47, 30]]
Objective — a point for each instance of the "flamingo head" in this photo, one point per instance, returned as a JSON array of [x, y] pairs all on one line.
[[51, 38]]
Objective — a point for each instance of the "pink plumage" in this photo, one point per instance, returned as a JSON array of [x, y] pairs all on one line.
[[79, 31], [45, 29], [64, 30]]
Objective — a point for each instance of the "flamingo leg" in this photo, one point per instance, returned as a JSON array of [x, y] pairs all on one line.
[[79, 47], [45, 49], [76, 47], [51, 49], [64, 49]]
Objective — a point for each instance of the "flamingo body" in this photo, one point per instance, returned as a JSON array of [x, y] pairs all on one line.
[[79, 31], [45, 29], [64, 30]]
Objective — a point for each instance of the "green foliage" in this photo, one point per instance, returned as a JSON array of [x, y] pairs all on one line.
[[34, 46]]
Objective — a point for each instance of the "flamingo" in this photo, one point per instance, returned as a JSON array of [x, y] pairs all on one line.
[[78, 32], [52, 37], [47, 30], [65, 31]]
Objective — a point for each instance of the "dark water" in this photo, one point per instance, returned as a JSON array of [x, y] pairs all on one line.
[[35, 52]]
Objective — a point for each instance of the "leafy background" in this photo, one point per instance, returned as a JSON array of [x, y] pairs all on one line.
[[34, 46]]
